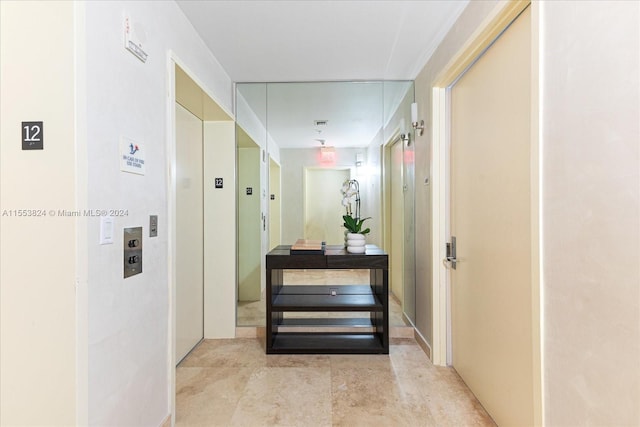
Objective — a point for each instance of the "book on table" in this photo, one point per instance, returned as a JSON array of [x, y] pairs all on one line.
[[307, 247]]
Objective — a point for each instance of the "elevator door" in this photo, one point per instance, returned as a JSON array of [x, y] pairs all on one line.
[[189, 233]]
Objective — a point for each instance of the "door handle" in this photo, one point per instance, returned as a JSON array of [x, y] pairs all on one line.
[[451, 254]]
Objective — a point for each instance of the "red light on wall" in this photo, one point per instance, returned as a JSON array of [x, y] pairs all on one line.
[[409, 157], [327, 155]]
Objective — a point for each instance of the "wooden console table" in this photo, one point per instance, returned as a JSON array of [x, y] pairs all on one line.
[[318, 334]]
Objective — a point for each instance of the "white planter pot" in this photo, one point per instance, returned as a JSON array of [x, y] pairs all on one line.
[[356, 243]]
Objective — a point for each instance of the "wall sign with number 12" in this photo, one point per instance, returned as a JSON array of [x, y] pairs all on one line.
[[32, 135]]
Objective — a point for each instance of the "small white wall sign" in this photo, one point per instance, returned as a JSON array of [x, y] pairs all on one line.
[[133, 40], [131, 156]]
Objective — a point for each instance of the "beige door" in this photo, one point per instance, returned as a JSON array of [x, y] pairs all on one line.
[[396, 252], [189, 233], [249, 223], [491, 305], [323, 208], [274, 204]]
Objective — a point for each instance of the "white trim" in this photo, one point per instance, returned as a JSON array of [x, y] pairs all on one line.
[[171, 229], [439, 227], [385, 184], [82, 227]]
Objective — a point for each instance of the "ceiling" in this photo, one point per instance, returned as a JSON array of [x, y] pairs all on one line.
[[353, 112], [321, 41], [307, 40]]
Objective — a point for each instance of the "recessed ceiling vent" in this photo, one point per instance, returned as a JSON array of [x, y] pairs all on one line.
[[320, 122]]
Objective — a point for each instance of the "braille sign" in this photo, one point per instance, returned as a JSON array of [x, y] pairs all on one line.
[[249, 191], [32, 136], [218, 182]]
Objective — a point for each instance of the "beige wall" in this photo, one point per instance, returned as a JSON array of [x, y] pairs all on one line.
[[590, 110], [38, 263]]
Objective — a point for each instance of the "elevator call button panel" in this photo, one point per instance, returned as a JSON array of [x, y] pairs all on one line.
[[132, 251]]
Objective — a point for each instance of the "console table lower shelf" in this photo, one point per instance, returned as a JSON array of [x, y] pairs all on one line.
[[341, 319], [326, 343]]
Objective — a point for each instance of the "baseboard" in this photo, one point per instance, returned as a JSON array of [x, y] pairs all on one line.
[[401, 332], [422, 342], [250, 332], [166, 422], [407, 321]]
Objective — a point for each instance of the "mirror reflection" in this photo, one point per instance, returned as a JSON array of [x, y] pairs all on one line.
[[297, 143]]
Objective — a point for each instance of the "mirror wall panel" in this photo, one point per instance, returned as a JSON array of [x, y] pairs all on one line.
[[333, 130], [251, 141], [399, 95]]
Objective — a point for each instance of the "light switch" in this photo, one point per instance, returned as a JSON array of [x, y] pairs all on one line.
[[106, 230], [153, 225]]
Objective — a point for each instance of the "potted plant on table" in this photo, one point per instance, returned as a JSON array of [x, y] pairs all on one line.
[[356, 240], [355, 234]]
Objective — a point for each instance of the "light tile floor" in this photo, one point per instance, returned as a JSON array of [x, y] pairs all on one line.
[[234, 383]]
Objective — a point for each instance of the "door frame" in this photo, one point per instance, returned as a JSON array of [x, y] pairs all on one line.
[[171, 61], [495, 23], [396, 138], [275, 164]]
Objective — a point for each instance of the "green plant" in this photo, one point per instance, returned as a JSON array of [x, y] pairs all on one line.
[[354, 225]]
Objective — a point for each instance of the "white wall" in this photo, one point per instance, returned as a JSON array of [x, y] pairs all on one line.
[[590, 106], [38, 265], [129, 381]]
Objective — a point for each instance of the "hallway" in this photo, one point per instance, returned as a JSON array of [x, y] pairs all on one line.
[[233, 382], [81, 344]]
